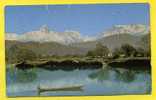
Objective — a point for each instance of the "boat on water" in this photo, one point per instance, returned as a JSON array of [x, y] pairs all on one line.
[[67, 88]]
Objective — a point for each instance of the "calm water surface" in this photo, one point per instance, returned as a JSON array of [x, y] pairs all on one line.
[[105, 81]]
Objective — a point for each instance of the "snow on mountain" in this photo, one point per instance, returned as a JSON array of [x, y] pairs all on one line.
[[11, 36], [45, 35], [69, 37], [133, 29]]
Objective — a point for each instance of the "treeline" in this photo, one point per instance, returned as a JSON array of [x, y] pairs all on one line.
[[100, 50], [126, 50], [16, 54]]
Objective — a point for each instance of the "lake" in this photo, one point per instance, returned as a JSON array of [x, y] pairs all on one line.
[[106, 81]]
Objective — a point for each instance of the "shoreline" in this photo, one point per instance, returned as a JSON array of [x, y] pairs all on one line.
[[142, 63]]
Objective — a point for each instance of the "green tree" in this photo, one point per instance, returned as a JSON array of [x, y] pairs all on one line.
[[140, 52], [128, 50], [100, 50], [117, 52], [145, 44], [90, 53]]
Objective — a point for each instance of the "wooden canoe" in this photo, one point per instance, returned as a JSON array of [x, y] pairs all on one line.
[[68, 88]]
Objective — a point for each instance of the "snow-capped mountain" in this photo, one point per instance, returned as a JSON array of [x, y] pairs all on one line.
[[70, 37], [133, 29], [45, 35], [11, 36], [46, 42]]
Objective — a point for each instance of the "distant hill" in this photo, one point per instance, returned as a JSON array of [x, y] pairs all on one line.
[[44, 49], [145, 41], [112, 41]]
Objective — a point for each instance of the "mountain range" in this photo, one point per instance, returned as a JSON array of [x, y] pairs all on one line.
[[46, 42]]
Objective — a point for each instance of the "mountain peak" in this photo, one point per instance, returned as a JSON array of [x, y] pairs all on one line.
[[69, 36], [45, 35], [44, 29], [133, 29]]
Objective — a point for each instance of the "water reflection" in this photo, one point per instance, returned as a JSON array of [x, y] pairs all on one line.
[[126, 76], [123, 75], [22, 76], [107, 81], [101, 75]]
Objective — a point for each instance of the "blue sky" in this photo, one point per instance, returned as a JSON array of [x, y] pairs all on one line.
[[87, 19]]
